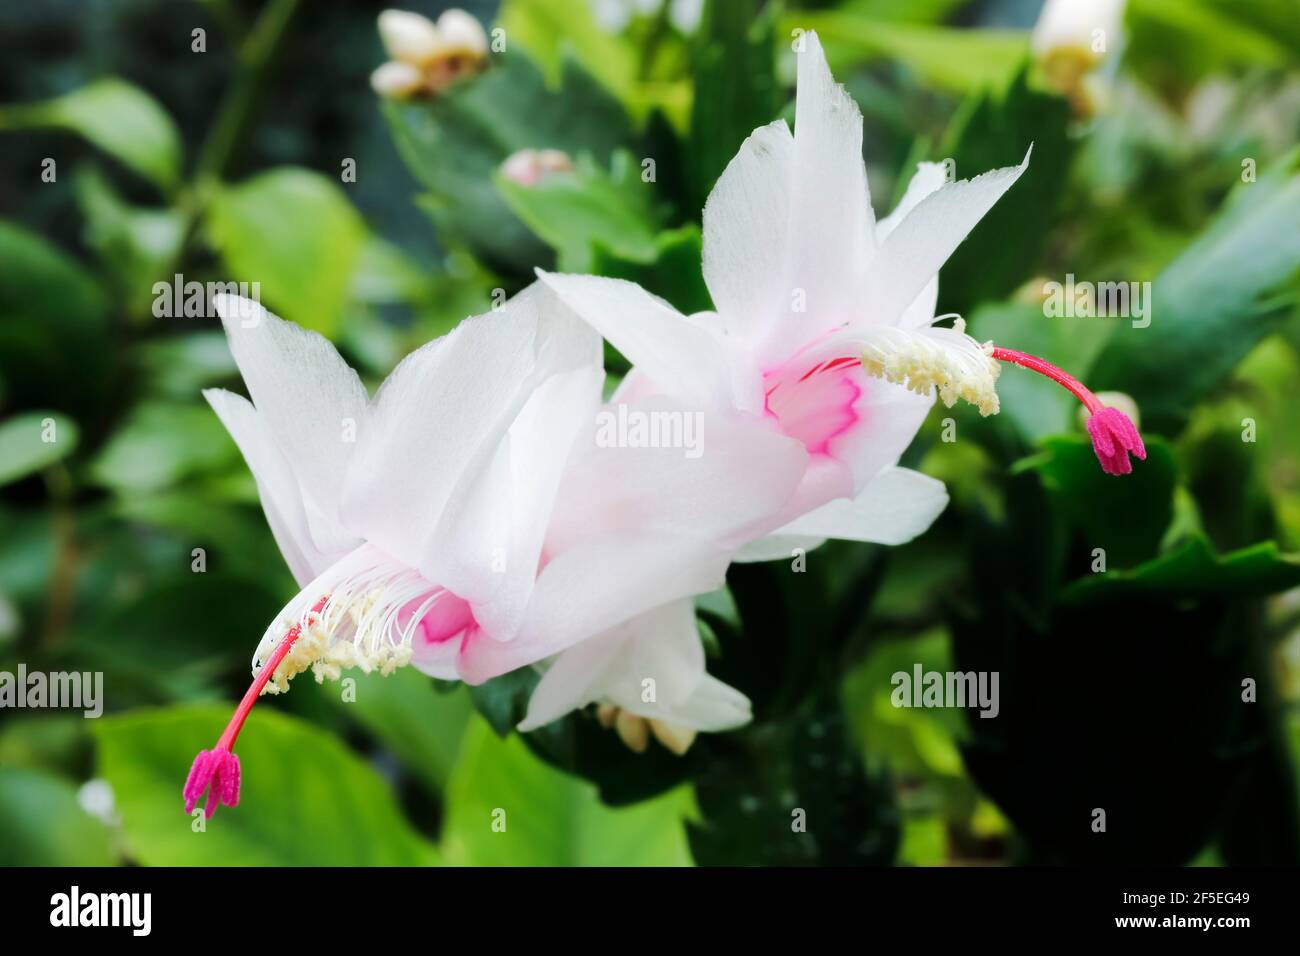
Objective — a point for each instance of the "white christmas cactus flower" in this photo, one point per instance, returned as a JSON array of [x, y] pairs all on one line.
[[825, 333], [825, 327], [462, 520]]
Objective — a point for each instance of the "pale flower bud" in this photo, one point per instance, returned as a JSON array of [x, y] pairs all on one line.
[[677, 739], [528, 167], [409, 37], [632, 730], [460, 33], [396, 80]]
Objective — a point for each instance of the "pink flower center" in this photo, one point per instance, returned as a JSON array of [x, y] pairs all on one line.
[[814, 404]]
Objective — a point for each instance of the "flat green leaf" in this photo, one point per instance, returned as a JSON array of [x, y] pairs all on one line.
[[1234, 285], [161, 443], [959, 60], [118, 117], [305, 799], [41, 823], [138, 245], [675, 273], [295, 232], [573, 212], [1126, 515], [32, 442], [1194, 571], [550, 818], [421, 725], [455, 143]]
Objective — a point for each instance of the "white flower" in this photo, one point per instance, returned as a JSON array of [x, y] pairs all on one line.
[[427, 57], [824, 331], [464, 520]]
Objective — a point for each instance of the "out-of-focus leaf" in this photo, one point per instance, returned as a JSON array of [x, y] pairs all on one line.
[[959, 60], [422, 726], [295, 232], [55, 742], [1193, 571], [575, 211], [137, 244], [118, 117], [994, 129], [552, 29], [454, 144], [1125, 516], [544, 817], [41, 823], [53, 327], [181, 365], [305, 800], [33, 441], [1230, 288], [674, 273], [162, 443], [735, 87]]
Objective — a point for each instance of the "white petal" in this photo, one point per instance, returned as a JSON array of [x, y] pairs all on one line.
[[634, 528], [777, 547], [746, 219], [680, 357], [441, 416], [922, 242], [489, 553], [662, 645], [928, 178], [921, 312], [896, 507], [311, 401], [832, 226], [276, 485]]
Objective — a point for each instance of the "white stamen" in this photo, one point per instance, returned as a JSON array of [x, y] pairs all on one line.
[[945, 359], [360, 625]]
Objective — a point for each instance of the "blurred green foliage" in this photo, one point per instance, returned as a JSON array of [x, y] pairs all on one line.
[[1121, 686]]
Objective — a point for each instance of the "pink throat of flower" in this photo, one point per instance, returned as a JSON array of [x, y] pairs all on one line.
[[217, 770], [1114, 436]]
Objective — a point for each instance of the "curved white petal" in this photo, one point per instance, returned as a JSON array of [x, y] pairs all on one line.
[[441, 416], [777, 547], [662, 646], [746, 219], [832, 226], [928, 178], [313, 405], [277, 487], [682, 358], [922, 242], [490, 540], [894, 508]]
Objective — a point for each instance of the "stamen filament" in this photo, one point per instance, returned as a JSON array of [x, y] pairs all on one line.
[[227, 740], [1059, 376]]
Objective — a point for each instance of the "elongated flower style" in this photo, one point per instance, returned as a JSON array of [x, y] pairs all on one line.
[[825, 331], [463, 520]]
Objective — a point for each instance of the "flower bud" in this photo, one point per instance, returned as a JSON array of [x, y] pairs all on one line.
[[409, 37], [461, 34], [528, 167], [397, 80]]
